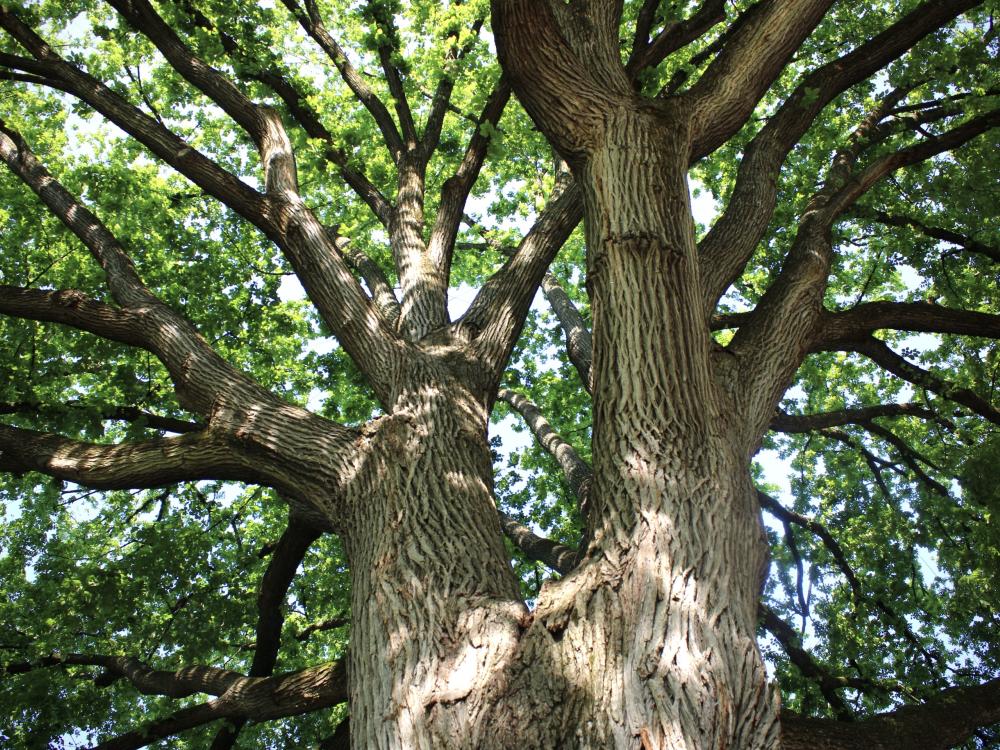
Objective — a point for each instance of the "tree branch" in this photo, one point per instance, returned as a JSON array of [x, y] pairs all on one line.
[[838, 327], [498, 312], [946, 720], [771, 344], [456, 189], [281, 568], [151, 463], [880, 353], [74, 308], [115, 413], [727, 92], [558, 557], [165, 144], [786, 516], [313, 25], [579, 341], [197, 370], [262, 124], [577, 472], [307, 117], [728, 246], [257, 698], [798, 423], [807, 665], [945, 235], [672, 37], [860, 183]]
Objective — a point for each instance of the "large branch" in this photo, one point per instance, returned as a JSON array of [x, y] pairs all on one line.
[[861, 182], [74, 308], [256, 698], [728, 246], [164, 143], [282, 215], [778, 333], [499, 310], [262, 124], [200, 374], [152, 463], [577, 472], [946, 720], [923, 317], [566, 94], [559, 557], [579, 341], [725, 95]]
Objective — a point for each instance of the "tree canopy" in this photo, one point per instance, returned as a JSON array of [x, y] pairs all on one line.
[[146, 271]]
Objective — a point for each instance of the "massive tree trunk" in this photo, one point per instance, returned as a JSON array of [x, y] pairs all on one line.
[[435, 605], [651, 642]]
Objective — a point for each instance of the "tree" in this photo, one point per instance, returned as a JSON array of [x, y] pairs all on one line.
[[200, 154]]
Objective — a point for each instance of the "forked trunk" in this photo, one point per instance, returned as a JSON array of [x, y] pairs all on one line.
[[651, 642]]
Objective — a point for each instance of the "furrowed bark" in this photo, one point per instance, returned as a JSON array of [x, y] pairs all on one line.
[[666, 482], [435, 609], [423, 285]]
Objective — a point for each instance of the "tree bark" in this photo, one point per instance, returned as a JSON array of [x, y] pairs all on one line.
[[435, 605]]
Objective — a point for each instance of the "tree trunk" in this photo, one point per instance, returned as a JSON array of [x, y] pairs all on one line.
[[651, 642], [435, 605]]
